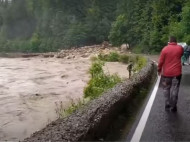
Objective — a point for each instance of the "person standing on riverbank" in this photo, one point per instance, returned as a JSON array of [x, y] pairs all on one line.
[[170, 68]]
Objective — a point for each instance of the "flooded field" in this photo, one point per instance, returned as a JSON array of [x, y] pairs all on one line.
[[30, 89]]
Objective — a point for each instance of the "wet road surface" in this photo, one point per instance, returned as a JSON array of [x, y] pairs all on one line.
[[169, 126]]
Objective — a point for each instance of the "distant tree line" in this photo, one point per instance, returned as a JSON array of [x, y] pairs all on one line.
[[49, 25]]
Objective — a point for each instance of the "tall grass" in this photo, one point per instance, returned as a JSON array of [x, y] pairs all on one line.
[[64, 111]]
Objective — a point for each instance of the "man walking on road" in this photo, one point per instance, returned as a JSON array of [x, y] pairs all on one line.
[[170, 68]]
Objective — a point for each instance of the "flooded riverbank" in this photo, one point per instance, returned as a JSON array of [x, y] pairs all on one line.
[[30, 89]]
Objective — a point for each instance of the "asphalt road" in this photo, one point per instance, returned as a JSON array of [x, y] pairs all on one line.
[[169, 126]]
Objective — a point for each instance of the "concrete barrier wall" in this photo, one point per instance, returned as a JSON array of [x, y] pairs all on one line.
[[92, 121]]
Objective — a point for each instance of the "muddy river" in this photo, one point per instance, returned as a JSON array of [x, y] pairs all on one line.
[[30, 88]]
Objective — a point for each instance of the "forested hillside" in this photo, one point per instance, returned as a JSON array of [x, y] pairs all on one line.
[[48, 25]]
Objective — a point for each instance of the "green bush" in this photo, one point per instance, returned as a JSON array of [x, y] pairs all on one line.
[[93, 58], [124, 59], [35, 42], [99, 82], [103, 57], [115, 57], [137, 50], [96, 69], [140, 63], [112, 57]]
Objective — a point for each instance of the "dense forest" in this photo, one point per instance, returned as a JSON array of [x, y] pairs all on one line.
[[49, 25]]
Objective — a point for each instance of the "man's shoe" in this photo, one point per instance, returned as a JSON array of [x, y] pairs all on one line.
[[174, 109]]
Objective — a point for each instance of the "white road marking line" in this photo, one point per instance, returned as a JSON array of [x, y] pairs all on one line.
[[140, 128]]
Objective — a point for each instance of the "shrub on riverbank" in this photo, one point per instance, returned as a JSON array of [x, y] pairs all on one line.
[[99, 82], [112, 57], [138, 61]]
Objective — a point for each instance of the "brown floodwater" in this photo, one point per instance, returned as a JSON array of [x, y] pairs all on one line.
[[30, 88]]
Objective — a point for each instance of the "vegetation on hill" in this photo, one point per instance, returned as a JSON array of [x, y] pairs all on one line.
[[49, 25]]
